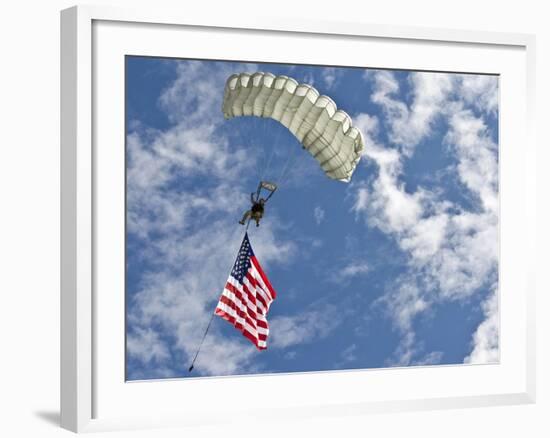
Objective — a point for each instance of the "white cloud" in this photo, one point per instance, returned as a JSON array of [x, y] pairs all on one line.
[[191, 147], [195, 96], [485, 341], [349, 353], [481, 91], [351, 270], [318, 214], [457, 248], [387, 205], [384, 157], [451, 252], [146, 346], [476, 152], [391, 207], [405, 351], [290, 355], [361, 194], [409, 125], [426, 237], [469, 257], [329, 75], [306, 327], [409, 348], [355, 269], [309, 79], [404, 301], [432, 358]]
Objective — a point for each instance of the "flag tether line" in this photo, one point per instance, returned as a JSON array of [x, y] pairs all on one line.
[[211, 319]]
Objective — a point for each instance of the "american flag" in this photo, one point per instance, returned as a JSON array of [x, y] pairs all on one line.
[[247, 296]]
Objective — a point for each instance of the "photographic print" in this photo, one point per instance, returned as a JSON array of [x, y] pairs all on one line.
[[286, 218]]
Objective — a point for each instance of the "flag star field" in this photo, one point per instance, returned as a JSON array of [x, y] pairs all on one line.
[[397, 267]]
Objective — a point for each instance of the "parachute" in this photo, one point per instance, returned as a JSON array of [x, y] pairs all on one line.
[[323, 130]]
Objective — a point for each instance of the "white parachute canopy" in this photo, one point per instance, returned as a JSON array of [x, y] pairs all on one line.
[[324, 130]]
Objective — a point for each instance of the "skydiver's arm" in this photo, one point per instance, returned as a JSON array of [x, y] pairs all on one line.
[[252, 197]]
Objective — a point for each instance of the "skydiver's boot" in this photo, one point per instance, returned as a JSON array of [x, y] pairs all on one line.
[[257, 218]]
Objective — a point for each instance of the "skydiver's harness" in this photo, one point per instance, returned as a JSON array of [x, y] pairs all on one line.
[[258, 204], [258, 208]]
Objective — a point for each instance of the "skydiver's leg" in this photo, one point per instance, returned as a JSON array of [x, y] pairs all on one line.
[[246, 216], [257, 218]]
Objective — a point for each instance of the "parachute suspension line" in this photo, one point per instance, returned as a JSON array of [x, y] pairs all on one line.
[[275, 148], [266, 169], [264, 124], [259, 132], [285, 169], [263, 157], [260, 157]]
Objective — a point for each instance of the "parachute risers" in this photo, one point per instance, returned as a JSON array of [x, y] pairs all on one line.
[[269, 186]]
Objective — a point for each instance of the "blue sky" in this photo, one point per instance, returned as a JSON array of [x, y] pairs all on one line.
[[396, 268]]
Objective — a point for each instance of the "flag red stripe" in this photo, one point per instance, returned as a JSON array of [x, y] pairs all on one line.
[[262, 324]]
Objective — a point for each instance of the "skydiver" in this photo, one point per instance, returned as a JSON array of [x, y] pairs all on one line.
[[256, 212]]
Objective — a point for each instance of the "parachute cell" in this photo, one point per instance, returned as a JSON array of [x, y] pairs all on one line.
[[324, 130]]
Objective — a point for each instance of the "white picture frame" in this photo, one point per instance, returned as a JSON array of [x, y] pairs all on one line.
[[94, 397]]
